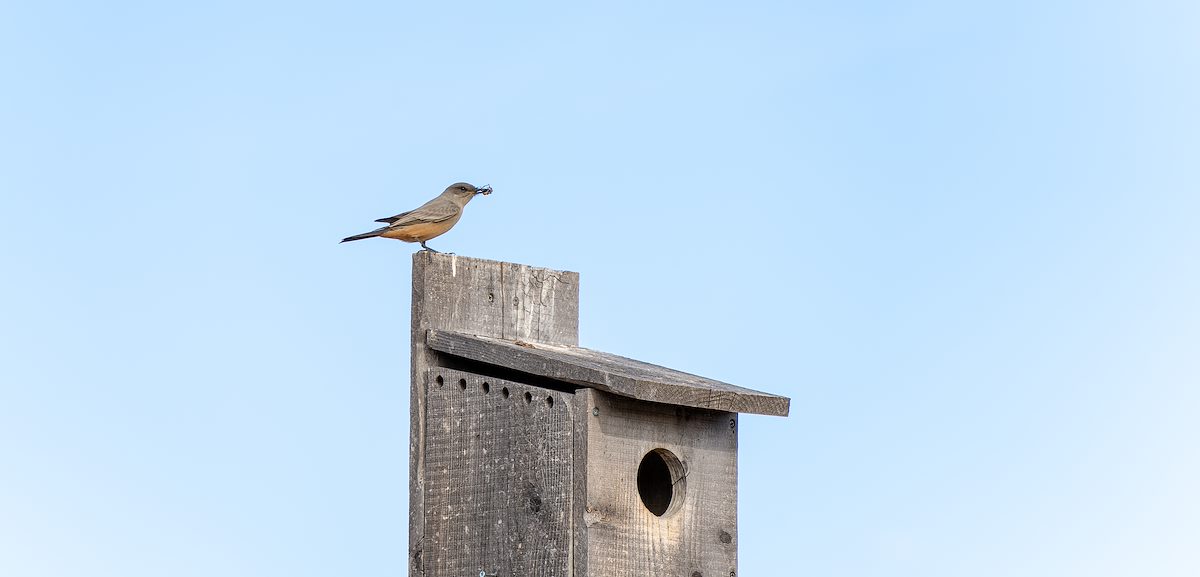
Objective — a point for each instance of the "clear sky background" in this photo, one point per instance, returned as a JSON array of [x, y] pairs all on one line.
[[961, 236]]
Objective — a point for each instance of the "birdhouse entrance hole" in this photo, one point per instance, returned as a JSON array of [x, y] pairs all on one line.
[[660, 481]]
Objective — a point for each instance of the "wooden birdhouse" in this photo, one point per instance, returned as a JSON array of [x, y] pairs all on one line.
[[532, 456]]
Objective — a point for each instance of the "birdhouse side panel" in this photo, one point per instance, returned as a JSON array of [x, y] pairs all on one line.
[[661, 488], [497, 467]]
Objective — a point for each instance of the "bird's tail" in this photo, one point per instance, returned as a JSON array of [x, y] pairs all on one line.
[[373, 233]]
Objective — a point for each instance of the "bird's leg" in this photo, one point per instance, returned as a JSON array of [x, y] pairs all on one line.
[[427, 248]]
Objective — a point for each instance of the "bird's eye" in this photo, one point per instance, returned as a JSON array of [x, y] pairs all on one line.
[[462, 188]]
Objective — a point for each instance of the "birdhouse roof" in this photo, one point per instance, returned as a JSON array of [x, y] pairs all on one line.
[[608, 372]]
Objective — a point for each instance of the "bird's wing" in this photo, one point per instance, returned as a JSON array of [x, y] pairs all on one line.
[[436, 210], [392, 219]]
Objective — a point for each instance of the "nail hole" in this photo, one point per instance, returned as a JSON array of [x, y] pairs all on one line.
[[486, 387], [440, 380], [504, 392], [462, 384], [550, 401], [528, 398]]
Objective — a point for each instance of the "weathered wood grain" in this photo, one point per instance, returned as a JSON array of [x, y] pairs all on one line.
[[582, 408], [498, 477], [503, 300], [500, 299], [607, 372], [698, 533]]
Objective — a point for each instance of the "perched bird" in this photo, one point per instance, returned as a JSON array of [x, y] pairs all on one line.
[[430, 219]]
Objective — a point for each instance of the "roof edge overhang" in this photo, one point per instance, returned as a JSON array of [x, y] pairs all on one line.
[[608, 372]]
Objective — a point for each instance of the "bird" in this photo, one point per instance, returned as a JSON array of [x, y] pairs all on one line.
[[428, 220]]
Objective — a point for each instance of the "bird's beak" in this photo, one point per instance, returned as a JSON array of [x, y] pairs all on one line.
[[484, 190]]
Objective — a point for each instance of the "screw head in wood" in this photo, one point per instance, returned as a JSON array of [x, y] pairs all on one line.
[[595, 411]]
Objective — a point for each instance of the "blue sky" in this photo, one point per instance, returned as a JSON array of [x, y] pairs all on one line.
[[962, 237]]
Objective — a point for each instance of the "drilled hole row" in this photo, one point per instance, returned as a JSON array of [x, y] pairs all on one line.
[[486, 387]]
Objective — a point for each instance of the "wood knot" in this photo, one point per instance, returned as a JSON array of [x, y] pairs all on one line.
[[533, 497]]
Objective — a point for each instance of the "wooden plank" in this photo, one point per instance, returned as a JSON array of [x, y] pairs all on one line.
[[502, 300], [697, 533], [607, 372], [498, 487], [582, 407]]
